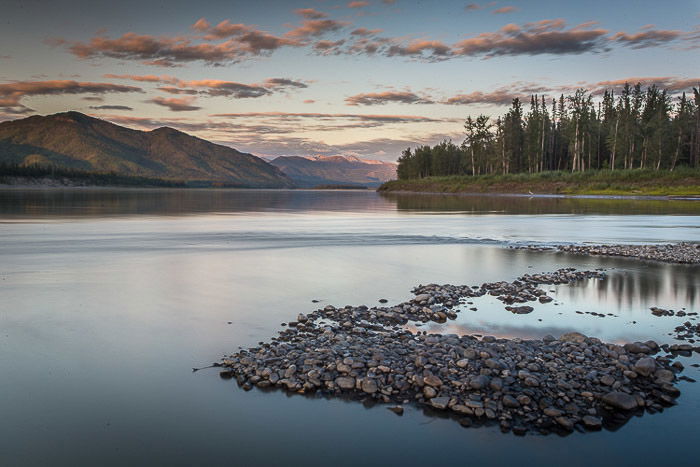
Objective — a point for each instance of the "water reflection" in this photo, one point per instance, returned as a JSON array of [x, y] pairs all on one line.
[[624, 298], [538, 205], [99, 202]]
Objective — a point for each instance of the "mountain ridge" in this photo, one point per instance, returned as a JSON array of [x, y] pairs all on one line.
[[77, 141], [310, 171]]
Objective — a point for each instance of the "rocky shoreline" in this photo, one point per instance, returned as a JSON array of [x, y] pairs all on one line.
[[681, 253], [537, 386]]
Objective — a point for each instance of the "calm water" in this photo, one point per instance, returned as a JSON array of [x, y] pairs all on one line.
[[110, 297]]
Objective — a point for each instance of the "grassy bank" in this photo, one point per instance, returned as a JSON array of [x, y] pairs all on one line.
[[680, 182]]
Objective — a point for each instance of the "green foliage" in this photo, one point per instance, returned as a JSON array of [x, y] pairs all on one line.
[[8, 172], [641, 128], [681, 182]]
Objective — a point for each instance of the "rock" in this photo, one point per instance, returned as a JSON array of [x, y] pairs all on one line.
[[607, 380], [565, 423], [397, 409], [474, 404], [440, 402], [290, 371], [664, 375], [421, 298], [383, 300], [479, 382], [552, 412], [520, 310], [510, 402], [345, 382], [463, 363], [620, 400], [592, 423], [636, 347], [429, 392], [432, 380], [645, 366], [368, 385], [576, 337]]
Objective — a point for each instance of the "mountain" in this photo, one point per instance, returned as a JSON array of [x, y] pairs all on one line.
[[335, 170], [77, 141]]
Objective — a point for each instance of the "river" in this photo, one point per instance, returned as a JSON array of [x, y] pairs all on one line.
[[109, 298]]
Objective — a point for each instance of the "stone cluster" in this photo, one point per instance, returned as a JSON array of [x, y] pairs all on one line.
[[684, 253], [548, 385]]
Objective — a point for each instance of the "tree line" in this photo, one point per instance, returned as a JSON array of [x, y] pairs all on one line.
[[9, 171], [639, 128]]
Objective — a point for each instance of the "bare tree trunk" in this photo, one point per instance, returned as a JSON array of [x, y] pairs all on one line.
[[612, 156]]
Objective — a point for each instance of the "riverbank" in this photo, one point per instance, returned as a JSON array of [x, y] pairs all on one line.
[[679, 253], [680, 182]]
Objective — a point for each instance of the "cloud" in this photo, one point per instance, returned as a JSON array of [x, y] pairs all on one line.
[[379, 98], [222, 30], [175, 104], [671, 83], [310, 13], [326, 47], [503, 10], [111, 107], [309, 101], [201, 25], [171, 51], [284, 83], [435, 49], [541, 37], [145, 78], [11, 94], [228, 88], [357, 4], [365, 32], [499, 97], [315, 28], [646, 38], [331, 116], [216, 87], [176, 90]]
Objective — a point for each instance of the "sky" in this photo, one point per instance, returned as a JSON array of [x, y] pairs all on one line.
[[364, 78]]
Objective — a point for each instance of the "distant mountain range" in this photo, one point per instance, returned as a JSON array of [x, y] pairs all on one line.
[[307, 172], [76, 141]]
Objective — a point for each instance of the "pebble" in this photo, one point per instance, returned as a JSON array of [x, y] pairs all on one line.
[[553, 384]]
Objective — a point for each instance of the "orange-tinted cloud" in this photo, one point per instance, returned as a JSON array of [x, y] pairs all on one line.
[[379, 98], [12, 93], [216, 87], [646, 38], [175, 104], [313, 115], [435, 49], [315, 27], [671, 83], [365, 32], [145, 78], [310, 13], [111, 107], [357, 4], [542, 37], [503, 10]]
